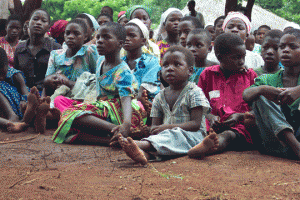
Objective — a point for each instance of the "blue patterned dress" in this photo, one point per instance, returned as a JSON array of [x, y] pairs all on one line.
[[8, 89]]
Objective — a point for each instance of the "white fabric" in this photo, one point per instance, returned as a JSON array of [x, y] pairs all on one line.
[[142, 27], [232, 15]]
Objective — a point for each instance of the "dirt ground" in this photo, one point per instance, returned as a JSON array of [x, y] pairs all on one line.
[[41, 169]]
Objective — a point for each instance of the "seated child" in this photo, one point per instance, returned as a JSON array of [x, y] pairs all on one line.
[[269, 52], [116, 110], [186, 25], [275, 100], [199, 43], [144, 66], [177, 113], [223, 85], [13, 91]]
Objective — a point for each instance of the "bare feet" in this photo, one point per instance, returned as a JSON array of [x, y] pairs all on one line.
[[32, 105], [40, 120], [132, 150], [249, 120], [146, 103], [16, 127], [209, 145]]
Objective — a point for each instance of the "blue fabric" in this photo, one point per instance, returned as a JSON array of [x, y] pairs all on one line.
[[117, 82], [196, 74], [8, 89], [147, 72]]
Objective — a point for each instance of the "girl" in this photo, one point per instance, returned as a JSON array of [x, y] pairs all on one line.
[[103, 18], [170, 20], [12, 91], [143, 13], [122, 19], [145, 67], [11, 40], [177, 113], [116, 85], [223, 85], [275, 100], [77, 58], [57, 31], [239, 24], [186, 25], [32, 55]]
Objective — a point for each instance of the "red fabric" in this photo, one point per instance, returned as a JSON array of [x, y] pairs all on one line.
[[58, 28], [121, 13], [62, 103], [231, 91]]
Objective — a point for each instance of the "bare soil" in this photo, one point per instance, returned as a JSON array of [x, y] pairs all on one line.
[[41, 169]]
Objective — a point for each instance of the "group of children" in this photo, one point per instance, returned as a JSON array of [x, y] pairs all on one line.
[[198, 95]]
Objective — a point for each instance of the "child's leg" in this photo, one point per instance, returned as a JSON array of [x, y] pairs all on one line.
[[6, 109], [12, 127], [40, 120], [135, 149], [288, 137]]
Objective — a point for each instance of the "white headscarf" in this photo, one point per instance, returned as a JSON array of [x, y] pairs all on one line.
[[142, 27], [241, 16]]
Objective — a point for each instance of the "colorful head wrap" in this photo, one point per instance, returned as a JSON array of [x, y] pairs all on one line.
[[142, 27], [58, 28], [133, 8], [232, 15], [95, 23], [121, 15]]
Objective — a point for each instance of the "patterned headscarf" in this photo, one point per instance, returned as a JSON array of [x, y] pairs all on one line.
[[95, 23], [133, 8], [232, 15], [58, 28], [121, 15], [142, 27]]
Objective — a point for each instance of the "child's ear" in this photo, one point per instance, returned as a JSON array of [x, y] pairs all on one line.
[[210, 49], [121, 43], [191, 70], [85, 37], [144, 41]]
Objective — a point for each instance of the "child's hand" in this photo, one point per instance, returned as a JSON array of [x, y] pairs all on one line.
[[271, 93], [233, 119], [213, 120], [123, 129], [288, 95], [157, 129]]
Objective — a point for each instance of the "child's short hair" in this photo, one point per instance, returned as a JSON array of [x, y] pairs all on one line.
[[84, 16], [3, 59], [12, 18], [106, 15], [218, 19], [294, 32], [41, 9], [264, 26], [273, 34], [225, 42], [109, 8], [80, 22], [203, 32], [118, 30], [189, 57], [197, 23]]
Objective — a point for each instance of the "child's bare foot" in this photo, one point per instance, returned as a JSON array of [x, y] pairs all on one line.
[[16, 127], [32, 105], [40, 120], [209, 145], [249, 120], [132, 150]]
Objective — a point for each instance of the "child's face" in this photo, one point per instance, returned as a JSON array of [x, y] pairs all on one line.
[[174, 68], [102, 20], [3, 72], [39, 23], [211, 31], [197, 44], [218, 28], [134, 39], [14, 29], [172, 22], [123, 21], [142, 15], [55, 80], [260, 35], [185, 27], [289, 51], [106, 11], [74, 36], [238, 27], [107, 41], [269, 51], [235, 60], [250, 42]]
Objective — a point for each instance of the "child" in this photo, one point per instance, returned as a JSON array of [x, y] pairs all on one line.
[[275, 101], [77, 58], [122, 19], [199, 43], [170, 20], [11, 40], [211, 29], [177, 113], [107, 10], [37, 48], [12, 91], [57, 31], [103, 18], [186, 25], [269, 52], [223, 85], [145, 67], [116, 85], [261, 31], [250, 43]]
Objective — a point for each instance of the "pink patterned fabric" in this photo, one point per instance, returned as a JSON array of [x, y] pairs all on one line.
[[62, 103], [10, 51]]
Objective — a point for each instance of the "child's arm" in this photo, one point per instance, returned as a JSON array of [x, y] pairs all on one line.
[[192, 125], [20, 84], [289, 95], [252, 93]]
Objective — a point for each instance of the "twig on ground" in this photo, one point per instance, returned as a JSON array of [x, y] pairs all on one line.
[[20, 140]]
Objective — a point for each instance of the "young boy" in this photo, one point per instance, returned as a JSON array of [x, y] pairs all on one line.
[[275, 101], [186, 25], [199, 43], [269, 52], [261, 31]]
